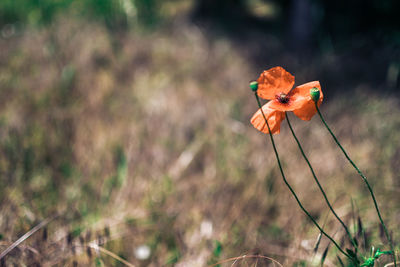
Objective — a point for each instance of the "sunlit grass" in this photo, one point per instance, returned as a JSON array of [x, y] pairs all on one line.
[[141, 140]]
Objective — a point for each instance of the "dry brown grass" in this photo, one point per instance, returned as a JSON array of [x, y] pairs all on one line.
[[145, 139]]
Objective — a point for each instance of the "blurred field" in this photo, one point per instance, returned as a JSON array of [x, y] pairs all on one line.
[[142, 138]]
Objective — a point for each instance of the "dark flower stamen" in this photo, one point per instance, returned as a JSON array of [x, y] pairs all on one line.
[[282, 98]]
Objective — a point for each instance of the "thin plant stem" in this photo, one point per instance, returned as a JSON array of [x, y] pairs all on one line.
[[27, 235], [109, 253], [364, 179], [319, 185], [291, 189]]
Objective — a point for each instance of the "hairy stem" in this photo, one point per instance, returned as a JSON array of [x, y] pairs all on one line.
[[319, 185], [364, 179], [290, 188]]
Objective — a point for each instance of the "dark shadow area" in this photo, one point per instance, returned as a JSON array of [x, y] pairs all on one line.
[[343, 43]]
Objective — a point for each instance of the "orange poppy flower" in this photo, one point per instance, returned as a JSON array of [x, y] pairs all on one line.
[[276, 85]]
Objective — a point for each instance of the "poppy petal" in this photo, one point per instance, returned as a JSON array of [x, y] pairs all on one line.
[[273, 82], [292, 104], [274, 118], [302, 97]]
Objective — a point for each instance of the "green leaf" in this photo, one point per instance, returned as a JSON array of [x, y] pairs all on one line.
[[369, 262], [340, 261], [387, 252], [98, 262], [218, 248], [351, 253]]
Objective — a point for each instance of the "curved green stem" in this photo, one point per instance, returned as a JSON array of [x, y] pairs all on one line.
[[290, 188], [319, 185], [364, 179]]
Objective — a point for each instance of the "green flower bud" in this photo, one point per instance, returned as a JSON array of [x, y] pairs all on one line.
[[254, 86], [315, 94]]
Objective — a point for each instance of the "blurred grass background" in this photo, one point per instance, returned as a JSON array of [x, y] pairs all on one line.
[[130, 120]]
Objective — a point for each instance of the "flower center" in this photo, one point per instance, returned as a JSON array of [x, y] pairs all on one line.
[[282, 98]]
